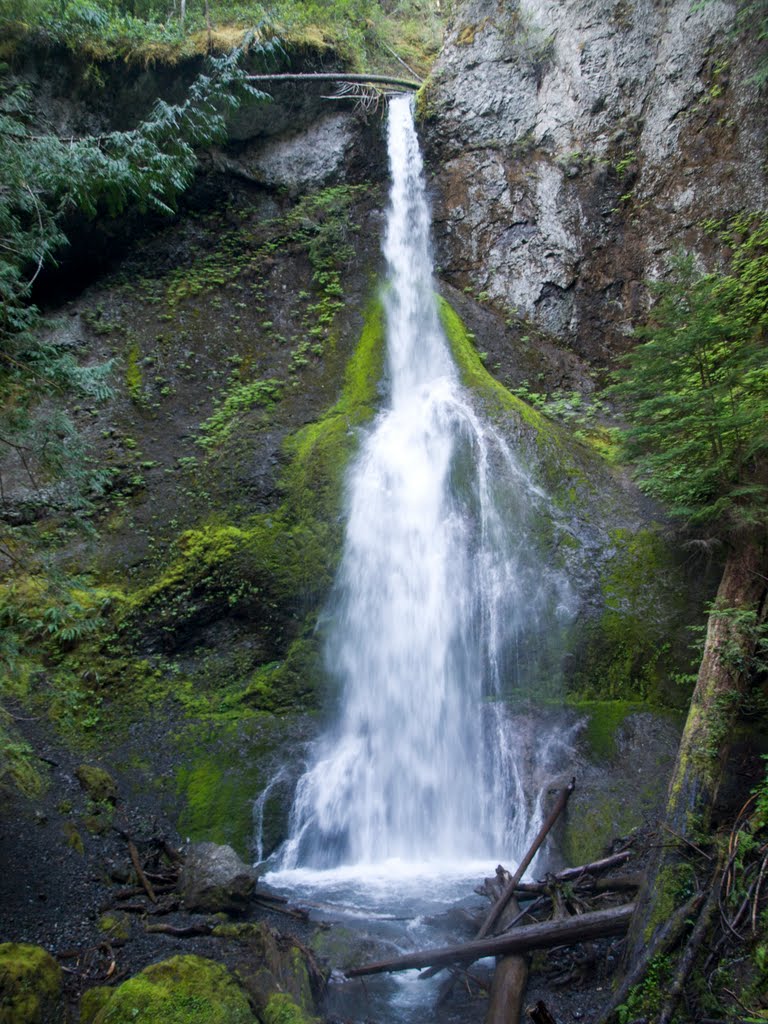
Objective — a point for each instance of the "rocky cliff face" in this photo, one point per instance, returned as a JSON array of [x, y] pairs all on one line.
[[575, 145]]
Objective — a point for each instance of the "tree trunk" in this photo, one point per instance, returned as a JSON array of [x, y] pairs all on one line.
[[723, 678]]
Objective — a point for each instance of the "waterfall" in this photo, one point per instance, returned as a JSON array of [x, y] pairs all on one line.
[[438, 597]]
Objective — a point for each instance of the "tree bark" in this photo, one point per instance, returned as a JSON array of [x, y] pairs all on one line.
[[740, 607]]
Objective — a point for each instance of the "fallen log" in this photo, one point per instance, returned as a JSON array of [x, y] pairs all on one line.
[[597, 866], [337, 76], [583, 927]]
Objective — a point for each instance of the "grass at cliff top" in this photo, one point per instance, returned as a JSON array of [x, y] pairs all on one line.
[[361, 32]]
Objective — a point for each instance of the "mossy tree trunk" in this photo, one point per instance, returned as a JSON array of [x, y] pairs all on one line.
[[724, 676]]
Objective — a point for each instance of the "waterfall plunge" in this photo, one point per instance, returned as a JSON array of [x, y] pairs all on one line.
[[437, 595]]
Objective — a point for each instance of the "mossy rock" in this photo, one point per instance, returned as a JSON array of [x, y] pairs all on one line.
[[115, 925], [182, 990], [97, 783], [275, 965], [93, 1001], [30, 985], [281, 1009]]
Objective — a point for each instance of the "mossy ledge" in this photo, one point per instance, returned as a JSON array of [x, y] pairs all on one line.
[[275, 568]]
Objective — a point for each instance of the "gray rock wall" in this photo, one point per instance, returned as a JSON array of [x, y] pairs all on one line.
[[574, 144]]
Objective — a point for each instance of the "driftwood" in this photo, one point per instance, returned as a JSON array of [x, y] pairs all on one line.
[[338, 76], [496, 910], [614, 921]]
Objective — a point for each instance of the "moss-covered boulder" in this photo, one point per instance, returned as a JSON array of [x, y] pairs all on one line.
[[97, 783], [30, 985], [93, 1002], [182, 990], [272, 964], [281, 1009]]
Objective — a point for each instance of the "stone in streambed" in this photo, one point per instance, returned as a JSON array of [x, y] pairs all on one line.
[[214, 879]]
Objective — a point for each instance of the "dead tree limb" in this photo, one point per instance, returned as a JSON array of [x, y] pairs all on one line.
[[495, 912], [184, 932], [536, 936], [337, 76], [145, 882], [664, 940], [689, 953]]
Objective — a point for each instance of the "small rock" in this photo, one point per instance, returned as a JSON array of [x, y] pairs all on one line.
[[98, 784], [214, 878]]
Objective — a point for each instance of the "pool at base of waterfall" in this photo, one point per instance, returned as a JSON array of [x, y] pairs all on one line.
[[378, 911]]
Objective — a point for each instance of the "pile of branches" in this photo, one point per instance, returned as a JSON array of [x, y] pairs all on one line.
[[574, 906]]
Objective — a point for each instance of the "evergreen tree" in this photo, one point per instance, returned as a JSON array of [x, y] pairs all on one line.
[[696, 393], [42, 179]]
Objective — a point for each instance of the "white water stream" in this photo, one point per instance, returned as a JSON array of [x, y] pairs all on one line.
[[426, 780]]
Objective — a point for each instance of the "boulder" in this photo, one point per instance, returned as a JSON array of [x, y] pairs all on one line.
[[214, 879], [182, 990], [97, 783], [30, 985]]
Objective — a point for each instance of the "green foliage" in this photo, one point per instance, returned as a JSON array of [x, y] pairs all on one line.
[[43, 178], [361, 31], [696, 389], [240, 398], [646, 999], [751, 23]]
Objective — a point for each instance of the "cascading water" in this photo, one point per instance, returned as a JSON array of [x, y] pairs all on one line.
[[436, 589], [438, 602]]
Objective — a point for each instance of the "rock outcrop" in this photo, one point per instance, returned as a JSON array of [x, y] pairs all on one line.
[[575, 145]]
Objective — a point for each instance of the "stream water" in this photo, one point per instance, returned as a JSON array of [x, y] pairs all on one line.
[[440, 609]]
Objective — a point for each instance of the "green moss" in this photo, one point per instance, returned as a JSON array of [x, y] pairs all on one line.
[[497, 398], [631, 649], [281, 1009], [290, 684], [92, 1002], [73, 838], [97, 783], [604, 720], [240, 398], [221, 772], [673, 885], [115, 925], [30, 984], [19, 767], [182, 990], [134, 382], [277, 564]]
